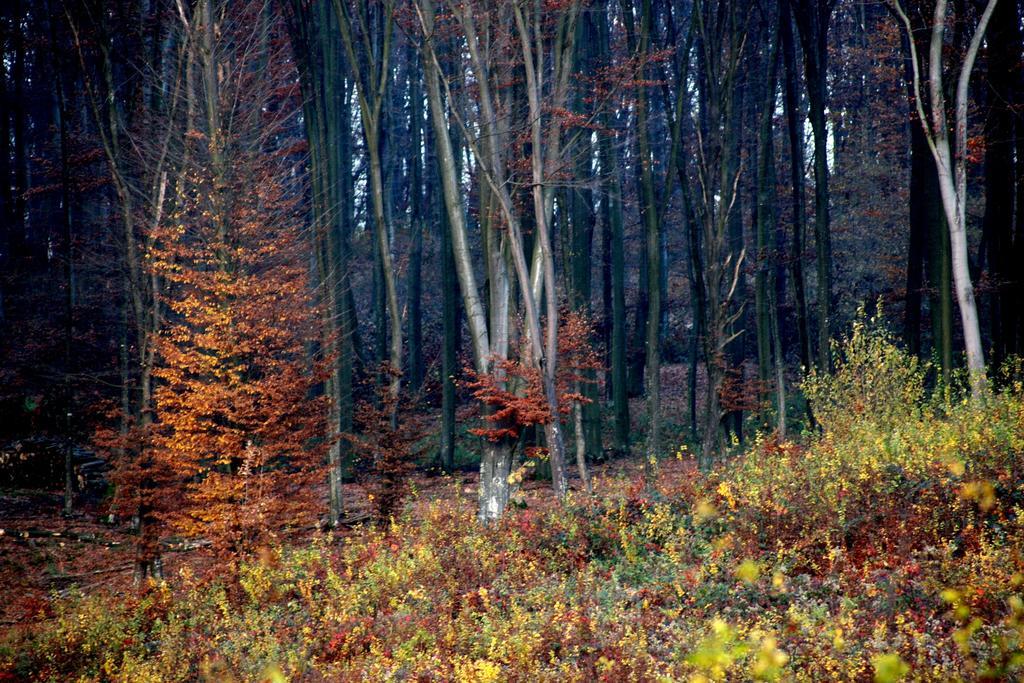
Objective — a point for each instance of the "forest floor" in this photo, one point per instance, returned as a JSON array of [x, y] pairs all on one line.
[[886, 546], [43, 552]]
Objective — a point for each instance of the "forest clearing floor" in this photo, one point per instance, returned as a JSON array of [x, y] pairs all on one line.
[[43, 552], [888, 545]]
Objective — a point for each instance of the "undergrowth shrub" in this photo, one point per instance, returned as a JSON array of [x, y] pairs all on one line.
[[889, 546], [893, 468], [874, 382]]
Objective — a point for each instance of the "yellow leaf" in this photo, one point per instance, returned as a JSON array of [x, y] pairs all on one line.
[[889, 668], [748, 571]]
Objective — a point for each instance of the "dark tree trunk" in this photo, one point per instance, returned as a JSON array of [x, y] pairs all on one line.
[[1003, 80], [414, 289], [611, 206], [794, 127], [812, 17]]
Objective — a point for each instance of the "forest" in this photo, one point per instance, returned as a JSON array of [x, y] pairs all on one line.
[[511, 340]]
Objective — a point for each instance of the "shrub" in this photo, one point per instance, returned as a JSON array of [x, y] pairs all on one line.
[[889, 545], [875, 382]]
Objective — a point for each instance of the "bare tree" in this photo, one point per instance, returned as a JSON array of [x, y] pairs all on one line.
[[366, 31], [951, 166]]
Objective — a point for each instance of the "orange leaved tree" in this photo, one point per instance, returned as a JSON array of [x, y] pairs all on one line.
[[514, 394], [237, 434]]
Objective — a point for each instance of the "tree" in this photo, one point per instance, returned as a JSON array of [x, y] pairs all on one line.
[[721, 33], [769, 344], [316, 44], [366, 30], [928, 248], [1002, 122], [612, 222], [650, 214], [813, 18], [488, 328], [794, 129], [236, 431], [528, 36], [950, 164]]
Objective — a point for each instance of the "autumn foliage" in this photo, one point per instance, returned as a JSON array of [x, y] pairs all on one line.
[[234, 442], [384, 446], [888, 547], [235, 421], [513, 392]]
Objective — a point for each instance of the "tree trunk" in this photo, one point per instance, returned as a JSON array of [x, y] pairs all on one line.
[[611, 208], [794, 127], [812, 18], [495, 468], [764, 285], [951, 167], [640, 43], [414, 289], [1003, 74], [449, 345]]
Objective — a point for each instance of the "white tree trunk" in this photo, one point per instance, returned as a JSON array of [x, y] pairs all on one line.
[[495, 468], [952, 169]]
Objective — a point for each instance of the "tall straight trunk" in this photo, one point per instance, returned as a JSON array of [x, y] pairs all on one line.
[[794, 128], [695, 270], [583, 220], [652, 230], [6, 196], [735, 351], [928, 225], [764, 284], [1018, 238], [449, 344], [325, 155], [606, 294], [812, 18], [698, 290], [917, 233], [822, 232], [6, 181], [414, 289], [450, 324], [326, 118], [611, 208], [17, 230], [69, 273], [1002, 78], [917, 241], [339, 147], [620, 386]]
